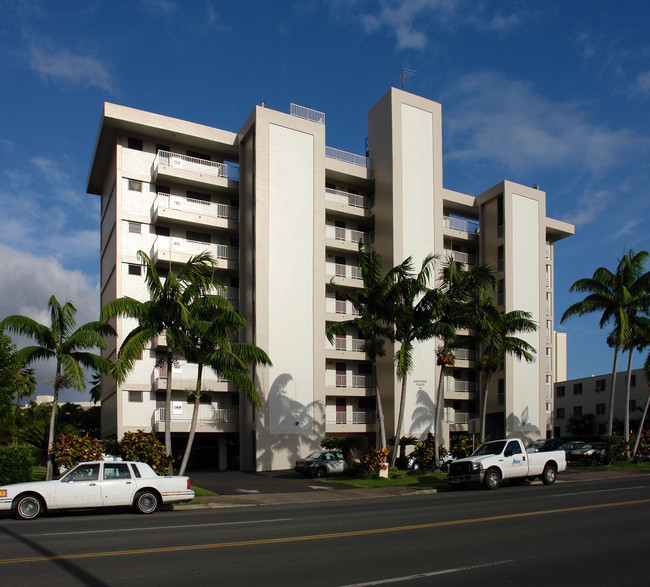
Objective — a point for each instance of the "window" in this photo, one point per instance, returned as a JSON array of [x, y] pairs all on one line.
[[560, 413], [135, 186], [200, 237], [162, 231], [500, 258], [632, 405], [559, 391], [601, 409], [136, 473], [600, 385], [500, 291], [577, 410], [116, 471], [198, 196], [367, 403], [135, 227], [633, 380], [134, 143], [198, 155], [577, 389], [513, 448], [135, 396], [160, 147], [135, 269], [162, 189], [501, 394]]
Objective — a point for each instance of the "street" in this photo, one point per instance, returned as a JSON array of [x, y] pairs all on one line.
[[580, 533]]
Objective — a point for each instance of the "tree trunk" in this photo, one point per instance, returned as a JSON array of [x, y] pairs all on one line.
[[380, 409], [400, 420], [437, 426], [484, 411], [195, 417], [627, 398], [49, 471], [168, 410], [640, 431], [610, 424]]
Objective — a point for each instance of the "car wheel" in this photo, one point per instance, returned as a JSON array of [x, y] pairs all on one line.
[[321, 472], [146, 502], [28, 507], [444, 467], [492, 479], [548, 475]]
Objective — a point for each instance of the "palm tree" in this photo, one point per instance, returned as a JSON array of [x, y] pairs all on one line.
[[67, 346], [415, 309], [459, 287], [372, 318], [207, 342], [496, 332], [617, 296], [165, 312]]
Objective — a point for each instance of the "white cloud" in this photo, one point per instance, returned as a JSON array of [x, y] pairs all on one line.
[[495, 120], [589, 206], [642, 85], [62, 66]]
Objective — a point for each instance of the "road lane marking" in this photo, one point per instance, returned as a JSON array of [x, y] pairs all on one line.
[[425, 575], [597, 491], [162, 527], [194, 547]]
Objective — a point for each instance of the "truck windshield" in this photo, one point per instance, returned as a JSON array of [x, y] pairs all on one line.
[[490, 448]]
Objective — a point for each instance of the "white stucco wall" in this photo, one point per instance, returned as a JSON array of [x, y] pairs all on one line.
[[525, 296], [291, 282]]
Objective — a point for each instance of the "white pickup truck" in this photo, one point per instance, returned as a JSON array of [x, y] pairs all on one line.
[[494, 461]]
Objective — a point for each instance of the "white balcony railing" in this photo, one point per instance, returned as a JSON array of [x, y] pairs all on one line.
[[334, 306], [465, 354], [188, 163], [461, 257], [354, 200], [343, 343], [461, 224], [341, 270], [307, 113], [364, 417], [190, 247], [453, 417], [184, 376], [207, 415], [185, 204], [347, 157], [348, 235], [459, 385]]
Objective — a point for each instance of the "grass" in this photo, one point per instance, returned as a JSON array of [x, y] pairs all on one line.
[[624, 466], [198, 493], [397, 478]]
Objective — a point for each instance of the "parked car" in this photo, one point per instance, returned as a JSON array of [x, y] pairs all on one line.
[[588, 452], [412, 462], [96, 484], [544, 445], [567, 447], [320, 463]]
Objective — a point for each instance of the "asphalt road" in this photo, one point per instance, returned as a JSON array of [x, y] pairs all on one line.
[[581, 533]]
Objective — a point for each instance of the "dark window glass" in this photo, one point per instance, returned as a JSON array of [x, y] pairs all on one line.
[[134, 143]]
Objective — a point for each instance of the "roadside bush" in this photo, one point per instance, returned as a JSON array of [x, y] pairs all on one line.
[[425, 452], [69, 450], [643, 450], [147, 448], [615, 450], [461, 446], [16, 464], [370, 463]]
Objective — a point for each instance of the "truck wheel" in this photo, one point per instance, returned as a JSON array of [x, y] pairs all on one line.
[[548, 475], [492, 479], [28, 507], [146, 502]]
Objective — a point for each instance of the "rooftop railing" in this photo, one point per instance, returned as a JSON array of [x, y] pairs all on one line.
[[307, 113], [347, 157]]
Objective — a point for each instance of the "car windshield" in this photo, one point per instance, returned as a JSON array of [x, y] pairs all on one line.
[[537, 443], [315, 455], [490, 448]]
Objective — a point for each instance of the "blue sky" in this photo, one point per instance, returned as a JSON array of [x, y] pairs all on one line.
[[552, 93]]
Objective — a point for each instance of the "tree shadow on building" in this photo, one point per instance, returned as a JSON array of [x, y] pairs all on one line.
[[423, 415]]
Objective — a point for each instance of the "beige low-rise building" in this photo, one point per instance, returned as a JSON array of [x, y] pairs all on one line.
[[282, 213]]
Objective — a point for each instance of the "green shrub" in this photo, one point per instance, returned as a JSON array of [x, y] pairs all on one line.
[[69, 450], [147, 448], [461, 446], [425, 452], [372, 461], [16, 464]]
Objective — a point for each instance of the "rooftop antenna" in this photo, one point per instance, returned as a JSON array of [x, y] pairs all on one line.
[[407, 72]]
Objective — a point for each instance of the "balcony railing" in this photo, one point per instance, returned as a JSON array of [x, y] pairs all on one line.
[[307, 113], [453, 417], [461, 224], [341, 270], [354, 381], [188, 163], [347, 344], [187, 375], [459, 385], [185, 204], [191, 247], [364, 417], [354, 200], [465, 354], [347, 157], [348, 235], [461, 257], [334, 306], [207, 415]]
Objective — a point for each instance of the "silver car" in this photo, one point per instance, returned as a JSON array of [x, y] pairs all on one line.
[[320, 463]]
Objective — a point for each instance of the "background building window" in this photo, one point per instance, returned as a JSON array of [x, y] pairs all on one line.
[[577, 389], [135, 396], [135, 227], [577, 410], [135, 186], [600, 385], [559, 413], [601, 409], [559, 391], [134, 143], [135, 269]]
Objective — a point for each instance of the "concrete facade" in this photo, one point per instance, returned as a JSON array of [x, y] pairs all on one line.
[[282, 213]]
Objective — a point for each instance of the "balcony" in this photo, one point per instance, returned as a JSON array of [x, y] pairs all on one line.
[[347, 157], [356, 202], [344, 380], [341, 307], [345, 272], [460, 225], [454, 417], [365, 417], [346, 344], [179, 250], [346, 238], [460, 257], [174, 167], [186, 210], [184, 378], [210, 419]]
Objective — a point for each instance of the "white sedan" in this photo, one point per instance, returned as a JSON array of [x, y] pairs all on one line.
[[97, 484]]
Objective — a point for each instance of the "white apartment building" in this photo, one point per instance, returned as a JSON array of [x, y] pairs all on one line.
[[282, 213]]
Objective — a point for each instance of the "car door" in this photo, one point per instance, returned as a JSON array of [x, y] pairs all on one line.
[[80, 487], [514, 461], [117, 484]]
